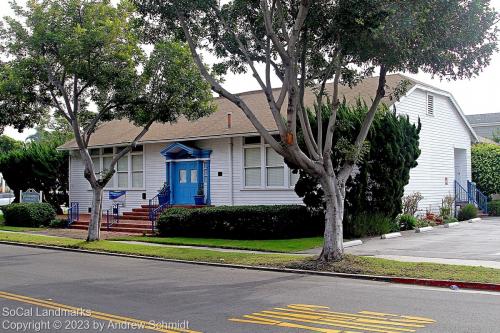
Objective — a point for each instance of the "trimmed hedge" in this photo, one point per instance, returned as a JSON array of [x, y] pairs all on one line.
[[485, 167], [28, 214], [241, 222], [494, 207]]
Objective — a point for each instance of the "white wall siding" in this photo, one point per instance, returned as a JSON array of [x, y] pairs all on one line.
[[220, 175], [440, 135], [154, 177]]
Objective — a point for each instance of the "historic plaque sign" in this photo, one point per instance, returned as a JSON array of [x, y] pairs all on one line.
[[31, 196]]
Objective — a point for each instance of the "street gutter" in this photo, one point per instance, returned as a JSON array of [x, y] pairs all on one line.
[[378, 278]]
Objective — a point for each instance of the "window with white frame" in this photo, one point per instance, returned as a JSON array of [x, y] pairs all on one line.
[[263, 167], [252, 166], [129, 169], [275, 168]]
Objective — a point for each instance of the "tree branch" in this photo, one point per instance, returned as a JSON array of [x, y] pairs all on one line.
[[346, 170], [266, 88], [223, 92]]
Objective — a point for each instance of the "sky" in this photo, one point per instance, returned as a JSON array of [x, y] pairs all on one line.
[[477, 95]]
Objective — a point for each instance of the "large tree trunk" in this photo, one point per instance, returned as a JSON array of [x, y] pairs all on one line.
[[95, 219], [333, 245]]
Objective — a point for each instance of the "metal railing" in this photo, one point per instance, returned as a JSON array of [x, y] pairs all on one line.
[[461, 194], [477, 197], [73, 213], [114, 217], [471, 195], [158, 204]]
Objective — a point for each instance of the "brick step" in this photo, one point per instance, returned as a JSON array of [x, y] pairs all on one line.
[[116, 228], [140, 210], [126, 224], [136, 214], [177, 206], [135, 217]]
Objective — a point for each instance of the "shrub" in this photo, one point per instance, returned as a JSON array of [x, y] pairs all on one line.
[[383, 169], [241, 222], [446, 207], [485, 171], [494, 208], [422, 223], [407, 222], [371, 225], [28, 214], [410, 203], [450, 220], [467, 212], [58, 223]]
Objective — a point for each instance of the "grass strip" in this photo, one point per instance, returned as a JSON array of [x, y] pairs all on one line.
[[273, 245], [351, 264]]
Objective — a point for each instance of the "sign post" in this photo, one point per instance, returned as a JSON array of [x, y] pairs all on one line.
[[31, 196]]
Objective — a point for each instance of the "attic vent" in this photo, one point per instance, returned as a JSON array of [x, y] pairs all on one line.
[[430, 105]]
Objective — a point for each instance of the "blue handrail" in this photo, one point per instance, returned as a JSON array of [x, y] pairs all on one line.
[[461, 194], [114, 216], [477, 197], [73, 213], [471, 195], [158, 204]]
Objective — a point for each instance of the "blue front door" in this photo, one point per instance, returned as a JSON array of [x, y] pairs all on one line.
[[185, 182]]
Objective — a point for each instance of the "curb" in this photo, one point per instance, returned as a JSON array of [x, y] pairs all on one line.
[[452, 224], [477, 219], [391, 235], [353, 243], [377, 278], [423, 229]]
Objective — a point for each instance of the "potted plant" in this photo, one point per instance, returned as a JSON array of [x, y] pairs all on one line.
[[199, 198]]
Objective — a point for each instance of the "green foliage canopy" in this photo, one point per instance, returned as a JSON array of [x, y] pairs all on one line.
[[68, 55], [40, 166], [390, 152], [486, 167]]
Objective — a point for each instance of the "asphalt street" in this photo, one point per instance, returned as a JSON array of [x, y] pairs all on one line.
[[110, 294]]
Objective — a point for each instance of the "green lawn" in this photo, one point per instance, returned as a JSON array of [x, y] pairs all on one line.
[[351, 264], [376, 266], [275, 245], [163, 252]]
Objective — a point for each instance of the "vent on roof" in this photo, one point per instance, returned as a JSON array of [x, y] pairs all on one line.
[[430, 105]]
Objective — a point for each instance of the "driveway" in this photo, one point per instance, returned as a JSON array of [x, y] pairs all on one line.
[[477, 243]]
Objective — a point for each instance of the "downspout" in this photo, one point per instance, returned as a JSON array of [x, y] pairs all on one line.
[[231, 194]]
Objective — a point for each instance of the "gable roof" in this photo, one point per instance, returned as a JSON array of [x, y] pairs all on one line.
[[484, 118], [122, 131]]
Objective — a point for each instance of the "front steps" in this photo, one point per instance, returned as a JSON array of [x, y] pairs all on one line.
[[134, 222]]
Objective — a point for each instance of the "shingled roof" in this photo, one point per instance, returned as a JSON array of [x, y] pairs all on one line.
[[484, 118], [118, 132]]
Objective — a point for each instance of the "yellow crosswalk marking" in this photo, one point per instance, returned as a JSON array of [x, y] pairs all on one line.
[[93, 314], [317, 318]]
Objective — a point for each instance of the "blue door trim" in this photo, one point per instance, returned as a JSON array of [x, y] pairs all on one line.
[[181, 157]]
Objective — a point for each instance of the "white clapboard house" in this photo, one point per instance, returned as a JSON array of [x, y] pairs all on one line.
[[224, 155]]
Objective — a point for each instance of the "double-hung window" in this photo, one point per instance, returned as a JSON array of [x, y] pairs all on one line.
[[129, 169], [253, 166], [275, 168], [263, 167]]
